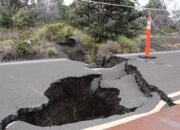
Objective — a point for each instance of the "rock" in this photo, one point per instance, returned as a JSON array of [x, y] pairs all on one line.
[[109, 60], [70, 42], [75, 53]]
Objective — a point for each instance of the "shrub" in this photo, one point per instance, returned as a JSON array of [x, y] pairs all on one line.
[[109, 48], [52, 51], [167, 29], [38, 35], [87, 39], [3, 29], [27, 34], [8, 35], [91, 50], [5, 19], [6, 46], [58, 31], [21, 19], [128, 45], [24, 49]]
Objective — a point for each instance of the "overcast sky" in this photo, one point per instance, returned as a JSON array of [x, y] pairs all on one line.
[[170, 3]]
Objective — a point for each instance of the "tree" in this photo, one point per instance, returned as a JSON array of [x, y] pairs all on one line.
[[104, 21], [13, 5], [176, 17], [47, 10], [21, 20], [8, 8], [160, 17]]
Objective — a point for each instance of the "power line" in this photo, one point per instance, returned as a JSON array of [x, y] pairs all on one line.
[[156, 27], [126, 6], [105, 3]]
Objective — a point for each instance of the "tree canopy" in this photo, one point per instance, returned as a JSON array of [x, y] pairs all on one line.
[[160, 17], [8, 8], [47, 10], [104, 21]]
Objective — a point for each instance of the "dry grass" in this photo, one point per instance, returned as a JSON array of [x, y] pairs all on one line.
[[6, 46], [51, 51], [109, 48], [8, 35]]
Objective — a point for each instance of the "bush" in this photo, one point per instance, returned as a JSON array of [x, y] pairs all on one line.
[[6, 46], [8, 34], [27, 34], [87, 39], [5, 19], [91, 50], [128, 45], [3, 29], [38, 35], [52, 51], [21, 19], [167, 29], [109, 48], [24, 49], [58, 31]]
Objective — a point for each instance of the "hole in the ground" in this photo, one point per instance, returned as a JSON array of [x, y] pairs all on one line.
[[72, 100]]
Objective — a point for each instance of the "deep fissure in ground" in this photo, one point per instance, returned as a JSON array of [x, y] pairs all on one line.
[[144, 86]]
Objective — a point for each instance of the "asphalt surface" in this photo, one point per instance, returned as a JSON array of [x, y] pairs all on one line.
[[163, 72], [23, 84], [129, 91]]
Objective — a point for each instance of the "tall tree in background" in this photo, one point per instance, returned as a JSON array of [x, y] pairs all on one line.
[[104, 21], [21, 20], [8, 8], [47, 10], [176, 17], [160, 17]]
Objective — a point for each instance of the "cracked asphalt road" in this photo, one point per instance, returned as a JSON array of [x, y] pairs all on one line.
[[22, 84]]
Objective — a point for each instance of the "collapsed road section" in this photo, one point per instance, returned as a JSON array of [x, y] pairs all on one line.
[[85, 97]]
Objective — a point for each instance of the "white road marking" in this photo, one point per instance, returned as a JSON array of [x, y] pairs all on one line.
[[175, 94], [32, 61], [158, 107], [9, 125], [177, 101]]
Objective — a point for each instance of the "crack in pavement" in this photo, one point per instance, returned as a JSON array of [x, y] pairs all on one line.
[[146, 88]]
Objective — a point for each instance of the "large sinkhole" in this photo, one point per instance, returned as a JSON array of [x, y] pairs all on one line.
[[72, 100]]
